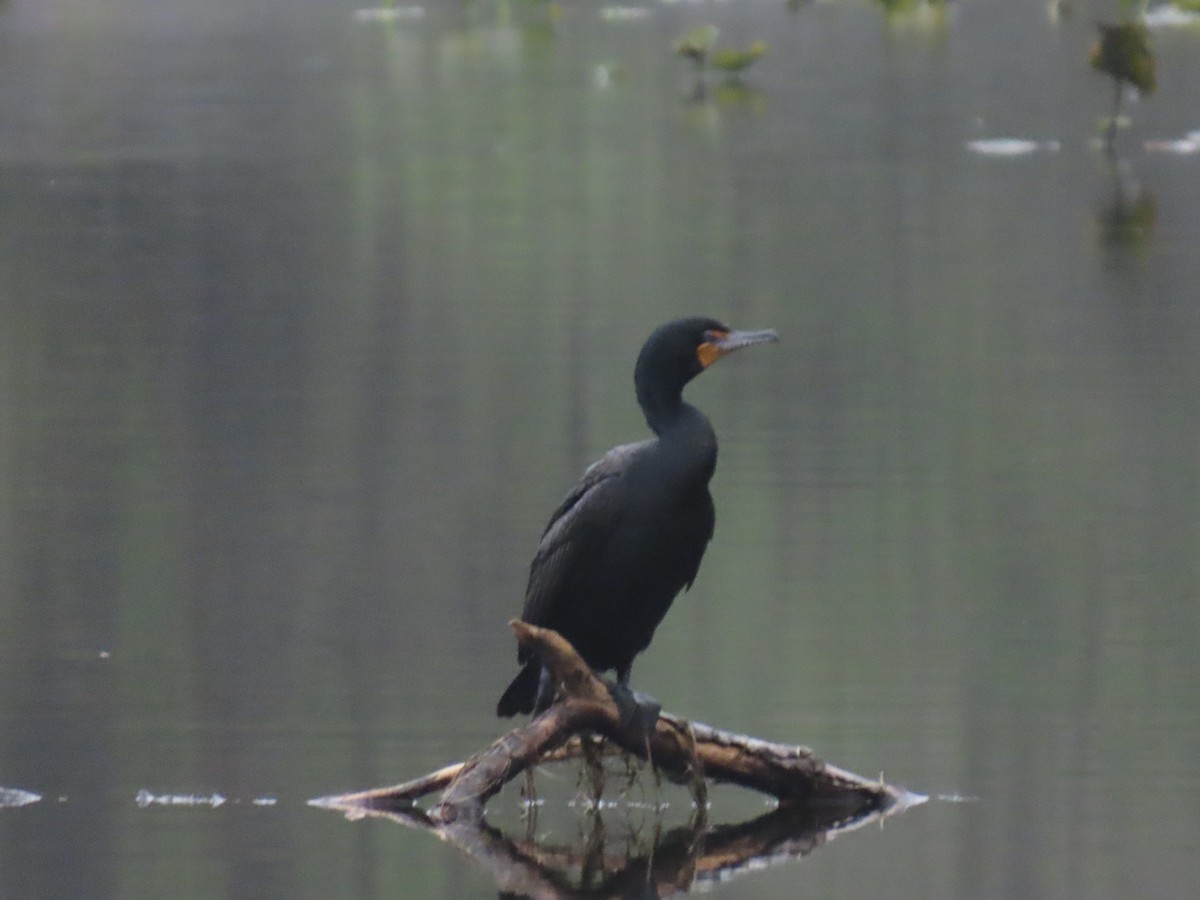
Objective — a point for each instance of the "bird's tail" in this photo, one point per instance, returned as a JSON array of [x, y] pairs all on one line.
[[519, 696]]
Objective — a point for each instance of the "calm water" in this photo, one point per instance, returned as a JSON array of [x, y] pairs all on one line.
[[310, 320]]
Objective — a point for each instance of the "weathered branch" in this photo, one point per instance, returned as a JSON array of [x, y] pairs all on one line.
[[685, 752], [816, 800]]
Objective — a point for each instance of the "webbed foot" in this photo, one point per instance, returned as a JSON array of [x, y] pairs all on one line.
[[639, 712]]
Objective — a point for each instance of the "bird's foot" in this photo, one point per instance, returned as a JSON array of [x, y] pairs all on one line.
[[639, 712]]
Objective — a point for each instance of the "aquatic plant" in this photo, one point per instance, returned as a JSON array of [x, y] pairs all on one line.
[[697, 43], [734, 60], [1123, 53]]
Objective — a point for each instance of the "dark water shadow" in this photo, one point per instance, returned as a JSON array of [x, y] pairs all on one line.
[[600, 863], [1128, 217]]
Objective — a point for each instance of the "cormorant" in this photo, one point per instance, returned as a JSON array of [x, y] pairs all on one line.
[[630, 535]]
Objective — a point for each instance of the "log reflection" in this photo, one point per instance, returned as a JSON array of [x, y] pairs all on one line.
[[660, 864]]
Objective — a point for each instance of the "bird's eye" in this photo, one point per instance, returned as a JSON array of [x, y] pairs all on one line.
[[712, 336]]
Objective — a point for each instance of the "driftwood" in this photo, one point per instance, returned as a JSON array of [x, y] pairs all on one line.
[[815, 800], [684, 752]]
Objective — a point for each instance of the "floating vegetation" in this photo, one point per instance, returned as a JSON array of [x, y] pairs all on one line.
[[735, 61], [1184, 146], [1180, 14], [12, 797], [1011, 146], [699, 45], [146, 798]]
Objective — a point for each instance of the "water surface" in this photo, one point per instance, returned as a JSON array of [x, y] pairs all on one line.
[[311, 319]]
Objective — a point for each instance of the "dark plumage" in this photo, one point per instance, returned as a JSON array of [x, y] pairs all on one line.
[[630, 536]]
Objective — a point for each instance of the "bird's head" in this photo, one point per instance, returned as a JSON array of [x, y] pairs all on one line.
[[679, 351]]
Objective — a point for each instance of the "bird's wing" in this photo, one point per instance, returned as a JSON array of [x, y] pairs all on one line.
[[582, 522], [610, 465]]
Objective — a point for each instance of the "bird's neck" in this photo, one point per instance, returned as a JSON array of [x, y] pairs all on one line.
[[675, 420], [686, 445], [662, 404]]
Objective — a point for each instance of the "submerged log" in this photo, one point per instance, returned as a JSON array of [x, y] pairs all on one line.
[[682, 751]]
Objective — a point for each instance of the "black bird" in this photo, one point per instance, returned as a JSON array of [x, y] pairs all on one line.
[[630, 536]]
